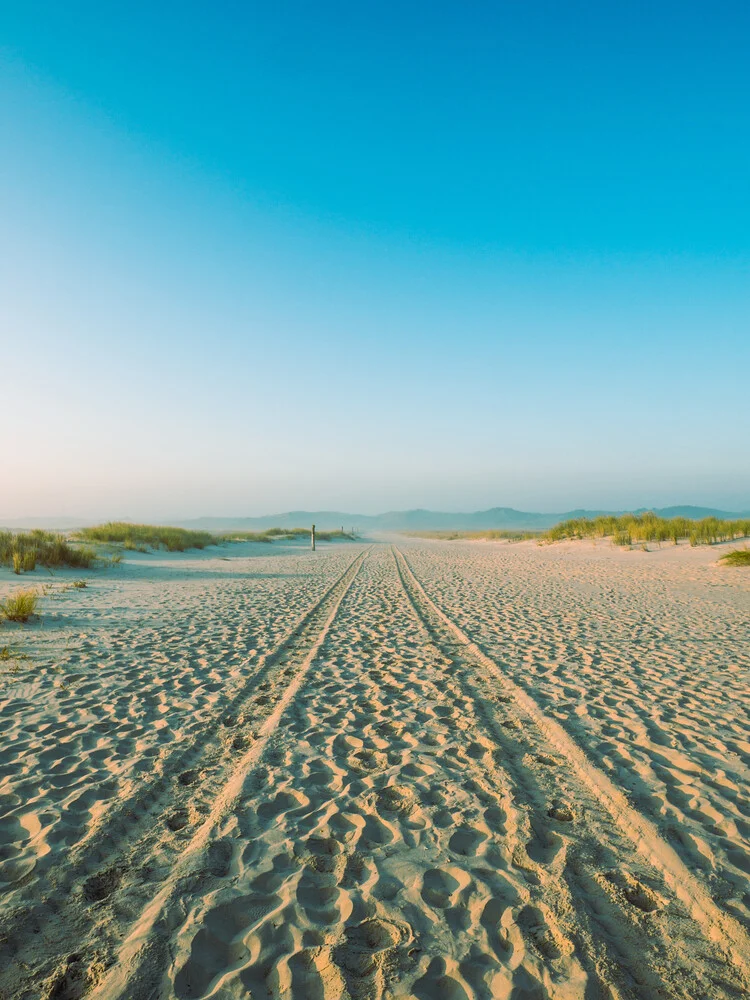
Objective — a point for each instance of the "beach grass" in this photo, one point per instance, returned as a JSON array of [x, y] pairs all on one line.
[[632, 529], [492, 535], [285, 534], [24, 550], [142, 537], [19, 607], [738, 557]]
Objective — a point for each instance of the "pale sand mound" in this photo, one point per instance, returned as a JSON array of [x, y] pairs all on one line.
[[348, 799]]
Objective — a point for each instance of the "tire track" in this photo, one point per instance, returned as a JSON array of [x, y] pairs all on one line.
[[721, 932], [398, 840], [150, 827], [375, 858]]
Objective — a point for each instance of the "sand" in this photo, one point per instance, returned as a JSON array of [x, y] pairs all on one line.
[[400, 769]]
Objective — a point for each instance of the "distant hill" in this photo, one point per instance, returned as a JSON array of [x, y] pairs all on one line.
[[499, 518], [496, 518]]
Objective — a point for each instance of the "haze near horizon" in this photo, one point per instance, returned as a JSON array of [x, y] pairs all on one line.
[[259, 259]]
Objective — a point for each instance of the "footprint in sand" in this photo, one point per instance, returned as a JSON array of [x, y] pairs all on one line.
[[368, 761], [437, 984], [397, 799], [178, 820], [538, 925], [366, 947], [637, 894], [101, 885], [561, 811], [441, 886], [282, 803], [467, 841]]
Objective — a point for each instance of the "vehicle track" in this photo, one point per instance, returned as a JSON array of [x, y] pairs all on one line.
[[728, 941], [150, 827], [407, 830]]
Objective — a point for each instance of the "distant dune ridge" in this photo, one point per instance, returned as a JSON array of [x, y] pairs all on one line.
[[500, 518]]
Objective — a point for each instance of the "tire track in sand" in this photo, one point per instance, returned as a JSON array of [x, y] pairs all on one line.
[[398, 840], [726, 942], [148, 830]]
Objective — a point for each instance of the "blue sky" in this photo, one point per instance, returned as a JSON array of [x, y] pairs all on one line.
[[366, 256]]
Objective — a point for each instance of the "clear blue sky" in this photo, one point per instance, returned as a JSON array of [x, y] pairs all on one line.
[[364, 255]]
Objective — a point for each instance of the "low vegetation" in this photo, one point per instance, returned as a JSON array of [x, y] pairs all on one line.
[[285, 534], [13, 656], [142, 537], [631, 529], [19, 607], [493, 535], [23, 551], [737, 557]]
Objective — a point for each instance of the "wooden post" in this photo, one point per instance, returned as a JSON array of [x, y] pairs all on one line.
[[312, 538]]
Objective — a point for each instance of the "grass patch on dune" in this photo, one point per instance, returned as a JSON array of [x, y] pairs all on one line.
[[738, 557], [332, 536], [19, 607], [142, 537], [24, 550], [272, 535], [285, 535], [492, 535], [631, 529]]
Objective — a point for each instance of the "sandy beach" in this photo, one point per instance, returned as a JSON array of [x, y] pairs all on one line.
[[403, 769]]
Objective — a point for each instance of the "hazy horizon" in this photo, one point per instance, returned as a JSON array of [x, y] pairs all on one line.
[[101, 516], [346, 257]]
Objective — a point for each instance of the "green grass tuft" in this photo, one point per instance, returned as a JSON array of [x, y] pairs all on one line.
[[491, 535], [23, 550], [19, 607], [141, 537], [737, 557], [629, 529], [285, 535]]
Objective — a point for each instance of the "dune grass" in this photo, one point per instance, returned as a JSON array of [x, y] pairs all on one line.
[[24, 550], [142, 537], [738, 557], [285, 534], [332, 536], [630, 529], [492, 535], [19, 607], [271, 535]]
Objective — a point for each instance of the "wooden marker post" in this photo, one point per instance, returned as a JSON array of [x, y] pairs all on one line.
[[312, 538]]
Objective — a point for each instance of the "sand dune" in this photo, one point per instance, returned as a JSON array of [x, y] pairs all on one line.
[[422, 770]]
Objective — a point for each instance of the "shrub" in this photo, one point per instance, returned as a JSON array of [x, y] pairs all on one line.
[[19, 607]]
